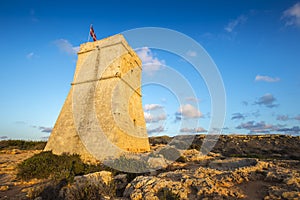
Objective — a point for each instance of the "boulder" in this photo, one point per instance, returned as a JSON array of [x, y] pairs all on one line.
[[157, 162], [92, 186]]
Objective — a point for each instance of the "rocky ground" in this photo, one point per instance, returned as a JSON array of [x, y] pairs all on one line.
[[10, 187], [239, 167]]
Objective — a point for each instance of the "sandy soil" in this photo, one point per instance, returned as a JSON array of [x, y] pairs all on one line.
[[10, 187]]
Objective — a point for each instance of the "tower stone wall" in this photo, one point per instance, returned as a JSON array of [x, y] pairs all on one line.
[[102, 115]]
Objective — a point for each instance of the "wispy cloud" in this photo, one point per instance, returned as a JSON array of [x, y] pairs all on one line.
[[158, 129], [148, 107], [262, 127], [188, 111], [238, 116], [191, 53], [297, 118], [193, 130], [45, 129], [45, 138], [20, 122], [149, 118], [33, 16], [293, 131], [234, 23], [66, 47], [3, 137], [287, 118], [151, 64], [245, 103], [192, 99], [283, 117], [266, 79], [256, 127], [256, 113], [267, 100], [292, 15], [30, 55]]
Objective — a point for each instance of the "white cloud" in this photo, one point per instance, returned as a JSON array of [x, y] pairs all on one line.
[[151, 64], [65, 46], [233, 24], [148, 107], [193, 130], [191, 53], [192, 99], [189, 111], [163, 100], [158, 129], [30, 55], [149, 118], [266, 79], [292, 15]]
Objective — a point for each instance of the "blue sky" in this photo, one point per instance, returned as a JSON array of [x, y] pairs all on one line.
[[255, 45]]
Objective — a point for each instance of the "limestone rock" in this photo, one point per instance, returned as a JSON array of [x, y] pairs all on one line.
[[102, 176], [291, 195], [94, 185], [4, 188], [157, 162], [201, 182], [232, 163]]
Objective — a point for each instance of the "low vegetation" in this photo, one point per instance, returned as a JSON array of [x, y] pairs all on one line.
[[58, 167], [128, 164], [160, 140], [60, 170], [22, 145]]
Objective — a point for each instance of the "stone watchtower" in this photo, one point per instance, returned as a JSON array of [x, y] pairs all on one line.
[[102, 116]]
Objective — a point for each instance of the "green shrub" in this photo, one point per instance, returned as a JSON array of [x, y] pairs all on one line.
[[46, 164], [160, 140], [130, 165], [22, 145], [61, 169]]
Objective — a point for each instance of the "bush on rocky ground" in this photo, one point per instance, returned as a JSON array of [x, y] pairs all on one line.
[[64, 170], [128, 164], [22, 145], [160, 140], [58, 167]]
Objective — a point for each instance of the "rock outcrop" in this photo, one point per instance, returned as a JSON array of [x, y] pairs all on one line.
[[194, 176]]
